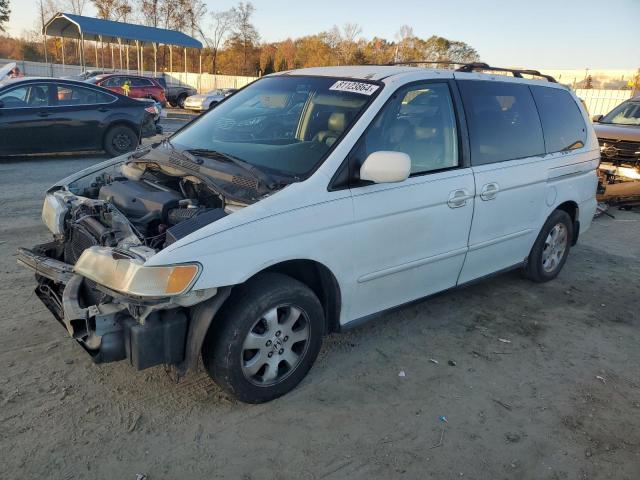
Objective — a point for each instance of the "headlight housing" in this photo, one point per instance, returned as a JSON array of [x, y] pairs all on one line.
[[128, 275], [53, 212]]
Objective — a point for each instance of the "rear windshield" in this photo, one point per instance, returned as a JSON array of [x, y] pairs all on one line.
[[285, 124]]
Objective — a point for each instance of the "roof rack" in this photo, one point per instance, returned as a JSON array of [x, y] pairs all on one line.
[[482, 67]]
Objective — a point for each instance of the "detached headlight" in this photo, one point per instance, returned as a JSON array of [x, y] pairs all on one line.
[[53, 213], [128, 275]]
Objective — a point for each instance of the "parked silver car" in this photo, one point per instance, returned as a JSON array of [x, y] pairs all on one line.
[[206, 101]]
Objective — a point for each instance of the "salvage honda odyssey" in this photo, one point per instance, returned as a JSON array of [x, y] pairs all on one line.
[[310, 201]]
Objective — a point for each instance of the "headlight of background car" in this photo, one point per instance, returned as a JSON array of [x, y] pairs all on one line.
[[128, 275], [53, 213]]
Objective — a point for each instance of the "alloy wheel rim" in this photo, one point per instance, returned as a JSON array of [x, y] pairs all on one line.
[[555, 245], [121, 141], [275, 345]]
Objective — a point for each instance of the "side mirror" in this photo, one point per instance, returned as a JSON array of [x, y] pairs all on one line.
[[386, 167], [597, 118]]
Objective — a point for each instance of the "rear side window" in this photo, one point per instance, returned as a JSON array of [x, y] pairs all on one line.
[[562, 122], [112, 82], [503, 121], [140, 82], [69, 95]]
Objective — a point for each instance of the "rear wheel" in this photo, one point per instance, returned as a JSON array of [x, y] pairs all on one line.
[[265, 338], [119, 140], [212, 105], [181, 100], [551, 249]]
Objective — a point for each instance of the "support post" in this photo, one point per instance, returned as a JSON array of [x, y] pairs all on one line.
[[200, 74], [185, 65], [142, 59], [138, 55], [95, 44], [171, 58], [63, 60], [155, 59], [82, 52], [127, 51], [113, 63], [46, 56], [101, 51], [120, 51]]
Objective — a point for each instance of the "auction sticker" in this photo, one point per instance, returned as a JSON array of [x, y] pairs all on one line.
[[354, 87]]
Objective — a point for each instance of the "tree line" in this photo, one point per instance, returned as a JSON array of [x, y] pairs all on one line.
[[232, 44]]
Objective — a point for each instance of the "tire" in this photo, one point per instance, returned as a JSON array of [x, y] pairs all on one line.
[[212, 105], [277, 363], [119, 140], [550, 251], [180, 101]]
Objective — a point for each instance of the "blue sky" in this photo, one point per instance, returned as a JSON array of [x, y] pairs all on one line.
[[534, 33]]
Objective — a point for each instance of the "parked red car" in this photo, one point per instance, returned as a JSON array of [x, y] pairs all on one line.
[[133, 86]]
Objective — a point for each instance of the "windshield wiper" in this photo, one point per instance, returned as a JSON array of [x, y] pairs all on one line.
[[256, 173]]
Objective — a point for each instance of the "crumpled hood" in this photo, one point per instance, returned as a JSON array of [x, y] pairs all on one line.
[[629, 133]]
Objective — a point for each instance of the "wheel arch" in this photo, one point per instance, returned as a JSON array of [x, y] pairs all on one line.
[[121, 122], [572, 209], [320, 279]]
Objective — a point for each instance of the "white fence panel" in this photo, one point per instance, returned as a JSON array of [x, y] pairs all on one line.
[[37, 69], [600, 102], [206, 81], [203, 83]]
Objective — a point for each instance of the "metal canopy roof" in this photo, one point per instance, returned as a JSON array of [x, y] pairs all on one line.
[[76, 26]]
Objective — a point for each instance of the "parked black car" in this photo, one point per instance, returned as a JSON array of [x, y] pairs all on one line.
[[176, 94], [41, 115]]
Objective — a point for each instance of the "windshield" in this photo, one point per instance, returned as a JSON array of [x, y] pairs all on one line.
[[626, 114], [280, 124]]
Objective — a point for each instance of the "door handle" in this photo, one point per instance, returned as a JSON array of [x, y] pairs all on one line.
[[43, 114], [489, 191], [458, 198], [103, 109]]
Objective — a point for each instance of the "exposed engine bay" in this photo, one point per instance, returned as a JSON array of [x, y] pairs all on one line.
[[144, 209]]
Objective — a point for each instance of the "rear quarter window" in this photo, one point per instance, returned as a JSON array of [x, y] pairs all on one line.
[[562, 122], [503, 121]]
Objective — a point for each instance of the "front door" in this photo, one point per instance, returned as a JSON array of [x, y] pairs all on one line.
[[410, 238], [25, 119]]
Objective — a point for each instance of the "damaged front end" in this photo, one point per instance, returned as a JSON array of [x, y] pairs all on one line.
[[92, 277]]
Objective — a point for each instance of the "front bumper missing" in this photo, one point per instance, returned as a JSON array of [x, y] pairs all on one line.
[[44, 266], [108, 331]]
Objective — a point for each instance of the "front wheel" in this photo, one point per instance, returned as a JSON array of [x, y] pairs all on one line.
[[120, 140], [265, 339], [551, 249]]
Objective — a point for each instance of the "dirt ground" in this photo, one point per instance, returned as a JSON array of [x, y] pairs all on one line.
[[557, 398]]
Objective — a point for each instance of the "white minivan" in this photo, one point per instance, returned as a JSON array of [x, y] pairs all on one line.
[[307, 202]]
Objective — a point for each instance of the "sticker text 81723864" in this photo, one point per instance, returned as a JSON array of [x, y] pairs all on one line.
[[354, 87]]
